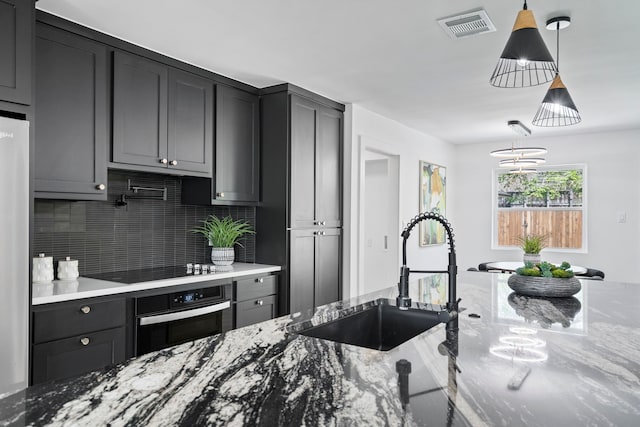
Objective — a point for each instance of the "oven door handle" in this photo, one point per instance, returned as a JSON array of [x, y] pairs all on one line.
[[184, 314]]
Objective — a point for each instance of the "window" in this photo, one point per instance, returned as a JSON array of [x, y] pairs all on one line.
[[550, 202]]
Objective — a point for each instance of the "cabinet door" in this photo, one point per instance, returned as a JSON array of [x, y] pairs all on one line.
[[237, 146], [72, 111], [256, 310], [16, 24], [190, 138], [76, 355], [329, 168], [139, 111], [328, 266], [303, 162], [302, 270]]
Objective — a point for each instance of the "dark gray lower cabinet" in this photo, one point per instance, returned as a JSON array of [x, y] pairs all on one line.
[[256, 299], [79, 354], [314, 267], [76, 337], [72, 110], [256, 311]]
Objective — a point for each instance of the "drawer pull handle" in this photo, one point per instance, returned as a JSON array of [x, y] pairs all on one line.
[[173, 162], [219, 194], [164, 161], [84, 341], [259, 302], [323, 223], [85, 309], [260, 280], [101, 187]]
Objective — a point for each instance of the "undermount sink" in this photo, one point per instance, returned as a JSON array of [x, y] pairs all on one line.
[[382, 326]]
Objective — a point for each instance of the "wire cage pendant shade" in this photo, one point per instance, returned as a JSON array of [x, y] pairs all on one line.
[[557, 108], [525, 60]]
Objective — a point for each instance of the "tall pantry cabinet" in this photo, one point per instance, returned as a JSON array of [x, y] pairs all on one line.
[[300, 219]]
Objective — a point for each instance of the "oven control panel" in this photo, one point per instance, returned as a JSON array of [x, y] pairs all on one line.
[[196, 295], [187, 297]]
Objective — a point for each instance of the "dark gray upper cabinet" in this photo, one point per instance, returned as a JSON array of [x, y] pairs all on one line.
[[162, 117], [71, 134], [316, 164], [236, 179], [237, 146], [190, 142], [304, 132], [16, 25], [329, 168], [140, 103]]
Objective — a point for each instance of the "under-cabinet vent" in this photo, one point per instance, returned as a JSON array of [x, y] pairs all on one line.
[[467, 24]]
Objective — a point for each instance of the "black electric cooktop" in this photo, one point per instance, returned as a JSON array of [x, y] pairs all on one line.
[[144, 275]]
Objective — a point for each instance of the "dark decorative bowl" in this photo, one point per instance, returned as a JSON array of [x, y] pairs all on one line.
[[544, 286]]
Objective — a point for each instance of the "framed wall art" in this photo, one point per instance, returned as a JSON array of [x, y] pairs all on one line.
[[433, 197]]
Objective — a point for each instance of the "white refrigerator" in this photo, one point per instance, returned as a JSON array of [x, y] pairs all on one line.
[[14, 255]]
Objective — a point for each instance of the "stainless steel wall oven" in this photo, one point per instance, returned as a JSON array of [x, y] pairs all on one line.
[[174, 318]]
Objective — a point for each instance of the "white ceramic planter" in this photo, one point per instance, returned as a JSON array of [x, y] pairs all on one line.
[[532, 258], [222, 256]]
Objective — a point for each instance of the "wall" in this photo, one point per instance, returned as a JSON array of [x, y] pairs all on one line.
[[144, 234], [613, 185], [388, 136]]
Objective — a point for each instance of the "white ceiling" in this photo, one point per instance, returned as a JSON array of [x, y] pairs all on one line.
[[391, 56]]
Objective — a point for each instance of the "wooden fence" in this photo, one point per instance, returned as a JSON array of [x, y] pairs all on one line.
[[563, 227]]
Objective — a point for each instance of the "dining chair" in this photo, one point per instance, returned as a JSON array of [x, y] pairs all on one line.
[[592, 273]]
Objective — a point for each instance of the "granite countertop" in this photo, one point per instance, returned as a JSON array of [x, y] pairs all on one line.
[[85, 287], [582, 353]]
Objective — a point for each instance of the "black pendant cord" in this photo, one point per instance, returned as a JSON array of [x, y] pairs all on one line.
[[558, 48], [525, 5]]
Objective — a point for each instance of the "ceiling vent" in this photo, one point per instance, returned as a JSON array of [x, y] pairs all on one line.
[[467, 24]]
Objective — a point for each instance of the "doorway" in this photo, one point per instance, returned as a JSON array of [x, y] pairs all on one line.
[[379, 218]]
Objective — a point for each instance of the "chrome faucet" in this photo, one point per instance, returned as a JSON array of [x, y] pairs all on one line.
[[403, 301]]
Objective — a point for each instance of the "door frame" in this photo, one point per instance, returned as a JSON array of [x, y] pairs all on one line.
[[367, 143]]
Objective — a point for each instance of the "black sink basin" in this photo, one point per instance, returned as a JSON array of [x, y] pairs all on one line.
[[380, 327]]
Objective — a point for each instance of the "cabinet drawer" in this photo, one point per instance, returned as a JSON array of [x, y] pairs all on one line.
[[256, 287], [82, 317], [255, 311], [77, 355]]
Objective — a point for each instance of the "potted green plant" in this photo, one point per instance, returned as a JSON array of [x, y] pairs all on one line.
[[223, 234], [545, 280], [532, 244]]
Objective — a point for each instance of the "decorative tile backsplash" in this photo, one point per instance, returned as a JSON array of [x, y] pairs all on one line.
[[142, 234]]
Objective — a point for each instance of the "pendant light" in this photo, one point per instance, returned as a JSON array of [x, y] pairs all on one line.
[[525, 60], [557, 108], [520, 160]]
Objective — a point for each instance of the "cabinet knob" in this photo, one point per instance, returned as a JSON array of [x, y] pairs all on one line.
[[260, 280], [163, 161], [323, 222], [85, 309], [259, 302], [101, 187], [173, 162], [219, 194], [84, 341], [322, 233]]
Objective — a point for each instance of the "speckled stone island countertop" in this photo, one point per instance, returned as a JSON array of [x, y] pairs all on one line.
[[582, 357]]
